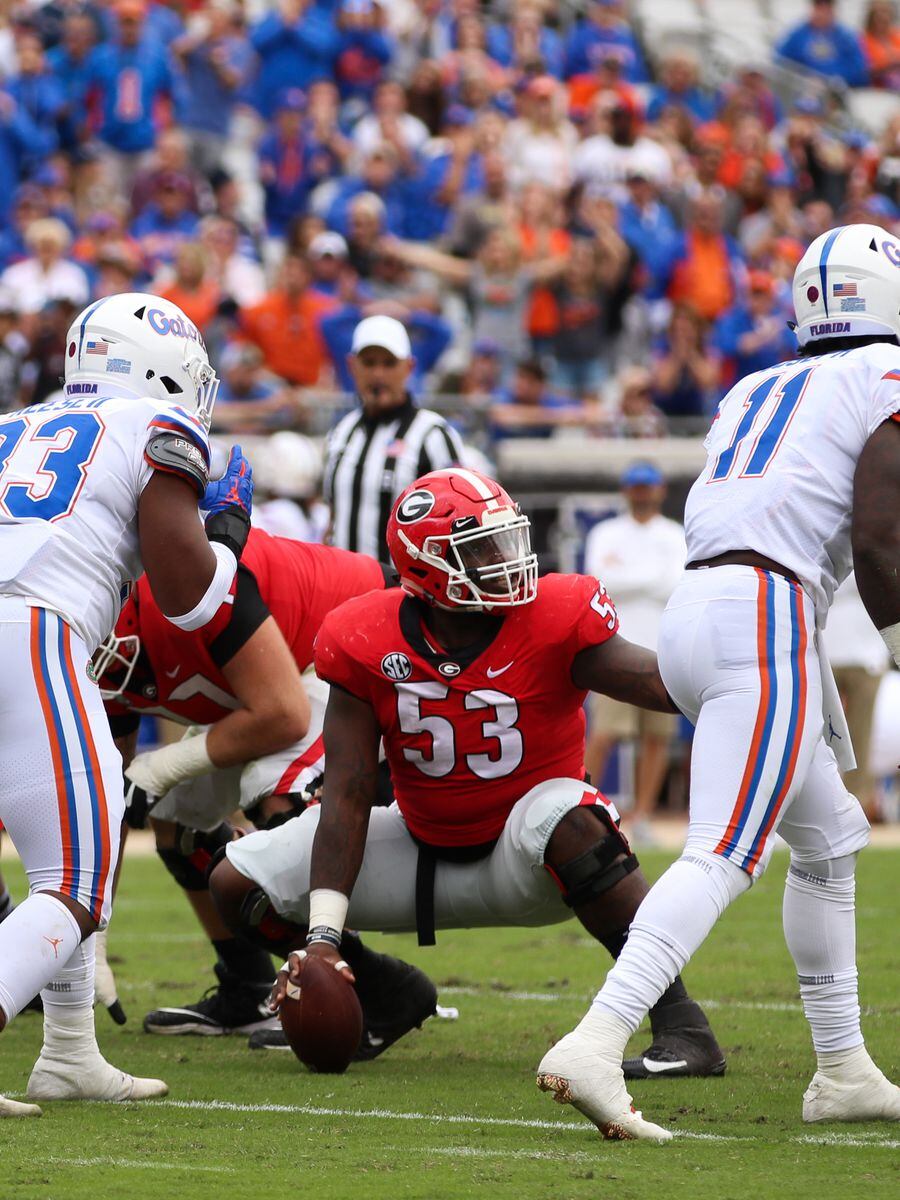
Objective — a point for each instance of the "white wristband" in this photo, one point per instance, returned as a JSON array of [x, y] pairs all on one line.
[[327, 907], [891, 637], [208, 605], [157, 771]]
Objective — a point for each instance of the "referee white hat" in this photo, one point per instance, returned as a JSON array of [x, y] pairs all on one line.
[[385, 332]]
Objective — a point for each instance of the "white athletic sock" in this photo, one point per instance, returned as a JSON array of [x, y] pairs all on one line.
[[819, 916], [36, 939], [69, 1009], [672, 921]]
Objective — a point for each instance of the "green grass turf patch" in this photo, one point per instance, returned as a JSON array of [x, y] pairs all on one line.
[[452, 1111]]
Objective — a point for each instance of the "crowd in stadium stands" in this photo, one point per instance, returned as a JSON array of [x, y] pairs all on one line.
[[577, 231]]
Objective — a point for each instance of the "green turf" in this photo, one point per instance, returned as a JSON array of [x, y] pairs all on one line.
[[477, 1070]]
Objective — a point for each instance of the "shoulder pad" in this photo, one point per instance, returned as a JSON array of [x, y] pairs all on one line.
[[170, 451]]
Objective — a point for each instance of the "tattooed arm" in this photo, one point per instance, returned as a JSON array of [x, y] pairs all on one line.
[[876, 525], [624, 671]]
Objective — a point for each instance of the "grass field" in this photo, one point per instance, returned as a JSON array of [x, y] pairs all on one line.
[[452, 1111]]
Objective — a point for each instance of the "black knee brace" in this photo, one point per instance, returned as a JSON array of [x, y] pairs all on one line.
[[596, 871], [187, 861]]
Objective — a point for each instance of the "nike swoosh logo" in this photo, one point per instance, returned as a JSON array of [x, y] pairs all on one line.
[[172, 674], [491, 674], [660, 1068]]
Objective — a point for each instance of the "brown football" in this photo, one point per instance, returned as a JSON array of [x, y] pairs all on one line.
[[322, 1018]]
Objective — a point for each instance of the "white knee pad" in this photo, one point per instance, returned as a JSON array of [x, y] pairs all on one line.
[[534, 818]]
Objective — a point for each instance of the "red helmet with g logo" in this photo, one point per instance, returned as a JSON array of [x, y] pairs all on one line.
[[459, 540]]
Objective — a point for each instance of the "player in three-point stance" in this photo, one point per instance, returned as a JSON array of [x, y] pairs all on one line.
[[92, 487], [247, 682], [802, 481], [474, 673]]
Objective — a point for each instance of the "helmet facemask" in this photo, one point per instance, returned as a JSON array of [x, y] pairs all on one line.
[[206, 385], [488, 566], [116, 657]]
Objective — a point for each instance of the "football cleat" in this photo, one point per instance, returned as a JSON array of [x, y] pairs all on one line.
[[268, 1039], [396, 998], [231, 1006], [95, 1079], [683, 1044], [857, 1091], [12, 1108], [579, 1071]]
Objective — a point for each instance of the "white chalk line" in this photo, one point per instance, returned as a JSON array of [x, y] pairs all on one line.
[[137, 1163], [783, 1006], [383, 1114]]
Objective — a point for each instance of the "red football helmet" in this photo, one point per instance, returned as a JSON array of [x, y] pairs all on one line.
[[458, 540], [116, 657]]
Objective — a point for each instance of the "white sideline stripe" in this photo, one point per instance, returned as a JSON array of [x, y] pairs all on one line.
[[384, 1114], [144, 1164], [555, 997]]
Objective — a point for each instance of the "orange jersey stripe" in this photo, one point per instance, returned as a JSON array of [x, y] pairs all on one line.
[[42, 684], [93, 765], [764, 689]]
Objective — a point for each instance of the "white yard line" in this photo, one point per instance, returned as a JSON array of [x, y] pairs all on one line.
[[143, 1164], [382, 1114]]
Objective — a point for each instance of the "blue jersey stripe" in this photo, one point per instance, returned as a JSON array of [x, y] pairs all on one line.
[[63, 750]]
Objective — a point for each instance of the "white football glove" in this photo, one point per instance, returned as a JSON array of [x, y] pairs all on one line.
[[157, 771]]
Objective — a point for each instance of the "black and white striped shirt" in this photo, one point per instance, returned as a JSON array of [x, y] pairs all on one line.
[[370, 460]]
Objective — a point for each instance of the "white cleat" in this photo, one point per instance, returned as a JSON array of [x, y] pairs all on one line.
[[12, 1108], [861, 1093], [577, 1073], [95, 1080]]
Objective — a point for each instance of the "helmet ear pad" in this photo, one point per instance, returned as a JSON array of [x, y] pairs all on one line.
[[847, 285]]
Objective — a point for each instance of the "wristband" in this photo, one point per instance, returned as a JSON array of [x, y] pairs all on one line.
[[230, 527], [327, 907], [324, 933], [891, 637], [211, 600]]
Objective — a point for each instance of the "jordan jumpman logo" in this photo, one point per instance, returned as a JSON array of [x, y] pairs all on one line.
[[55, 943]]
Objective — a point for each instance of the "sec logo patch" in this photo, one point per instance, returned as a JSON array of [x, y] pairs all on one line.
[[396, 666], [418, 504]]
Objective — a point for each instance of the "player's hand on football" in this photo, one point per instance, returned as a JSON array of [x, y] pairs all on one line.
[[234, 489], [138, 804], [290, 974]]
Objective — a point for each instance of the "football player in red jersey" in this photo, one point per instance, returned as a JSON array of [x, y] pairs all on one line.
[[245, 685], [474, 675]]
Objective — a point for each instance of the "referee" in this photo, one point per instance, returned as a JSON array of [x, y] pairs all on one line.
[[374, 452]]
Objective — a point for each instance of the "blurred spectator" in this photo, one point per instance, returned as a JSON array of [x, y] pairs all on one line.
[[21, 142], [685, 370], [365, 226], [881, 44], [285, 166], [329, 149], [425, 94], [429, 337], [820, 44], [390, 123], [239, 278], [679, 87], [45, 363], [860, 659], [650, 230], [296, 45], [47, 274], [71, 61], [481, 376], [250, 398], [633, 413], [130, 78], [364, 50], [640, 557], [13, 348], [754, 334], [287, 319], [171, 156], [327, 260], [524, 41], [759, 232], [192, 289], [453, 168], [104, 233], [528, 408], [602, 31], [165, 222], [490, 207], [586, 317], [287, 482], [38, 90], [215, 63], [752, 93], [380, 177], [616, 149], [393, 280], [539, 145], [30, 205], [708, 269]]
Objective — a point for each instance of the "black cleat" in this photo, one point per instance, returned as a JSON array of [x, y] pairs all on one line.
[[395, 997], [232, 1006], [268, 1039], [688, 1049]]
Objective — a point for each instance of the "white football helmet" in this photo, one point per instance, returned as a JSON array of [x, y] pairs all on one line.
[[288, 464], [847, 284], [145, 345]]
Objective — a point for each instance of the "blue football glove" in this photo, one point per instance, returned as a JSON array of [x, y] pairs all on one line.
[[233, 490]]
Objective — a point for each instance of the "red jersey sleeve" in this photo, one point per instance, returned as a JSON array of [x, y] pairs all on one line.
[[594, 615], [334, 658]]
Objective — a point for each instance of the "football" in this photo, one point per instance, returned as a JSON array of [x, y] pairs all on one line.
[[322, 1018]]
